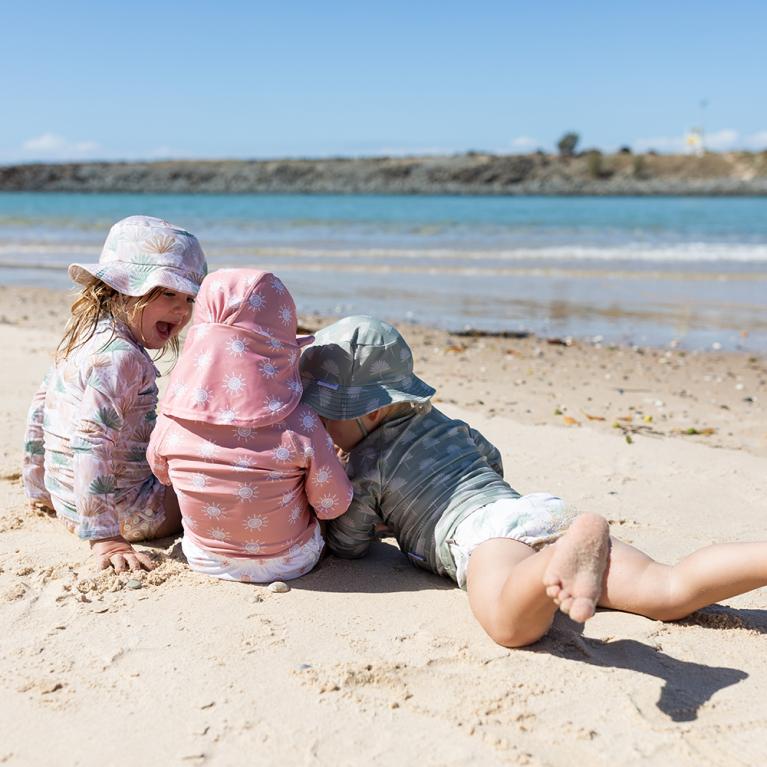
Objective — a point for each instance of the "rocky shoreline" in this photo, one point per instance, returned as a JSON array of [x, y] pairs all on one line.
[[588, 173]]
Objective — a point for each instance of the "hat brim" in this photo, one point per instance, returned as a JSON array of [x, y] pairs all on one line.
[[341, 404], [127, 282]]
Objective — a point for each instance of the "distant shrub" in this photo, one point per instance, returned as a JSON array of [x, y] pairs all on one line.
[[566, 145], [639, 167], [594, 163], [624, 150]]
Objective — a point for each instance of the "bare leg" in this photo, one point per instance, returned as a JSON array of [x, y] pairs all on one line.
[[169, 526], [638, 584], [504, 582], [507, 582], [172, 522]]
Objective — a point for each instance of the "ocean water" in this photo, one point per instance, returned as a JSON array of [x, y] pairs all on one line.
[[650, 271]]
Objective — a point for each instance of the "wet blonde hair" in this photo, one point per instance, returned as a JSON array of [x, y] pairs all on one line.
[[98, 300]]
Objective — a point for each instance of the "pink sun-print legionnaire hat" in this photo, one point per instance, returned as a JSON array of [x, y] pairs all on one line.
[[143, 252], [239, 364]]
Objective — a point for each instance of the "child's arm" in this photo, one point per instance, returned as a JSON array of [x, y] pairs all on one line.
[[327, 487], [33, 470], [488, 451], [110, 394], [350, 535]]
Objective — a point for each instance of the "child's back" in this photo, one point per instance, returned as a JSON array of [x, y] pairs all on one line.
[[106, 387], [421, 473], [248, 463]]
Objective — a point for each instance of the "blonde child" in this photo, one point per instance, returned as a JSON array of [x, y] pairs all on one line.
[[90, 420], [253, 469], [437, 485]]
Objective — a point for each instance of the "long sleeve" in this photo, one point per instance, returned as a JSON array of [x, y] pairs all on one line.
[[110, 393], [488, 451], [327, 487], [350, 535], [33, 470]]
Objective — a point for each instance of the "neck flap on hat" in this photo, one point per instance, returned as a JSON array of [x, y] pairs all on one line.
[[239, 365]]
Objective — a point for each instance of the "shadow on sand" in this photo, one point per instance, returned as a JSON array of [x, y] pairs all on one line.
[[686, 685]]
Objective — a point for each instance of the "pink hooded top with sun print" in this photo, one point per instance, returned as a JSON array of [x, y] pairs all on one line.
[[252, 468]]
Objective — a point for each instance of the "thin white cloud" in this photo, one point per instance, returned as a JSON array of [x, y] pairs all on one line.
[[52, 146], [524, 143], [723, 139], [757, 140]]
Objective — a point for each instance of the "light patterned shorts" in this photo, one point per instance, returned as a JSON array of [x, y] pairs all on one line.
[[536, 519], [285, 567]]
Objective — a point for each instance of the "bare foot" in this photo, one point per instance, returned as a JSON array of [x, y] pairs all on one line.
[[573, 577]]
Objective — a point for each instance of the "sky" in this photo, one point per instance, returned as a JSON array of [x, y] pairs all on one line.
[[238, 79]]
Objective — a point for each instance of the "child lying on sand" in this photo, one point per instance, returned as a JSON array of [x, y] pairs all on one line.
[[437, 485]]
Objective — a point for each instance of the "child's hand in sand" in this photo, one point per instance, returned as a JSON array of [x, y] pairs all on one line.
[[118, 553]]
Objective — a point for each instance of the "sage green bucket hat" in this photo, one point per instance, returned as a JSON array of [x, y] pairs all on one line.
[[357, 365]]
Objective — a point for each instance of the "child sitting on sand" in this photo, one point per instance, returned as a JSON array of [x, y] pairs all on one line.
[[90, 420], [253, 469], [436, 484]]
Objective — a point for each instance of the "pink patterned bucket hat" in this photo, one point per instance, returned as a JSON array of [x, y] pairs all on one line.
[[141, 253], [239, 365]]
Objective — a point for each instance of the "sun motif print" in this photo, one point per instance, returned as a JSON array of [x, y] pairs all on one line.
[[208, 450], [309, 421], [268, 369], [256, 522], [328, 502], [247, 492], [212, 510], [281, 453], [227, 415], [286, 316], [237, 346], [256, 301], [243, 463], [322, 476], [243, 433], [256, 469], [234, 383]]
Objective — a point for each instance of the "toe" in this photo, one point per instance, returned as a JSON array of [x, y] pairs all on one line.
[[581, 610]]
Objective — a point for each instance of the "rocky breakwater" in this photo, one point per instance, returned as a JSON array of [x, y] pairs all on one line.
[[588, 173]]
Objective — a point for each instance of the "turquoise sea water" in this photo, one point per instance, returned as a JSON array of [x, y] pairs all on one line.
[[636, 270]]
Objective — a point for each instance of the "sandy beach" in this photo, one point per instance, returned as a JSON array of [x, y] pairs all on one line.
[[374, 662]]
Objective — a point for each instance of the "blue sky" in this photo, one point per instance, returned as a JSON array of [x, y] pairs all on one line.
[[130, 80]]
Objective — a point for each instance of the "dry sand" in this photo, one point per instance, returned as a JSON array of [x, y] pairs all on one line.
[[374, 662]]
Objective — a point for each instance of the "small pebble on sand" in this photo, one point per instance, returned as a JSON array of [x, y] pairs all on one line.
[[279, 587]]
